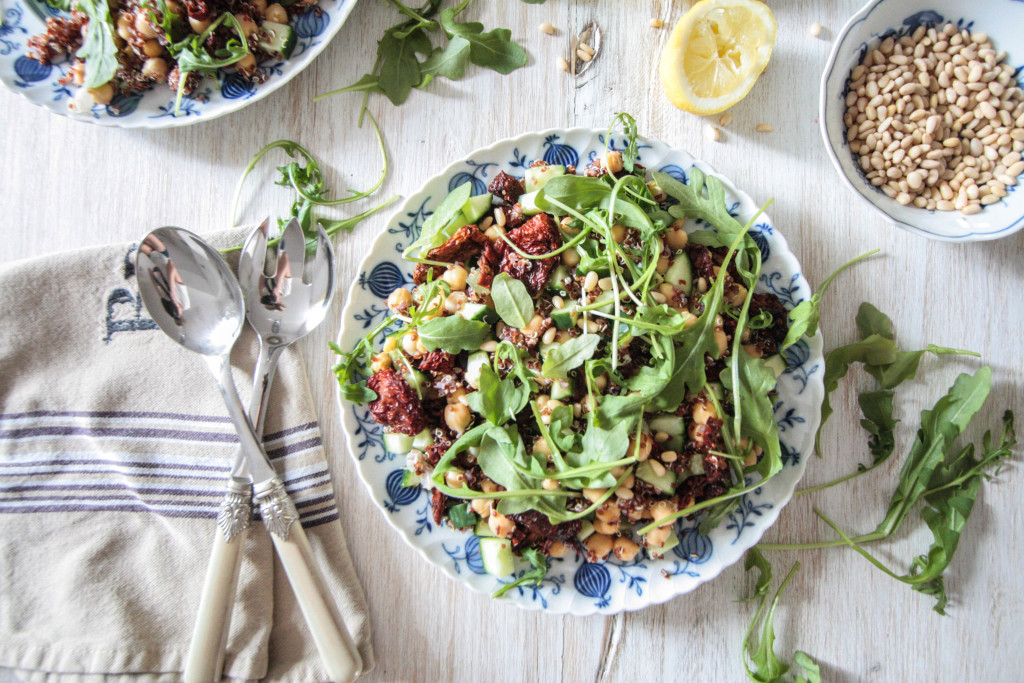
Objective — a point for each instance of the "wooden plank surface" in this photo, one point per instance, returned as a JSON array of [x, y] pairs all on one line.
[[67, 184]]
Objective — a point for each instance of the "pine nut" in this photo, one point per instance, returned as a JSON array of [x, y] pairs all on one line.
[[764, 128], [815, 29], [657, 23], [547, 28]]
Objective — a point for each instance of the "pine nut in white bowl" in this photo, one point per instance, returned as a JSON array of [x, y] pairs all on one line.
[[997, 210]]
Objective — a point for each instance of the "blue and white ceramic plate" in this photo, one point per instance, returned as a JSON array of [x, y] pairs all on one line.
[[154, 108], [1002, 20], [572, 585]]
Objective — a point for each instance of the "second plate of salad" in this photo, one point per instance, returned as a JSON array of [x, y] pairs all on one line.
[[566, 373]]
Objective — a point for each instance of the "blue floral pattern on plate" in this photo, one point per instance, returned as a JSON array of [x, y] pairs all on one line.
[[154, 108], [572, 585]]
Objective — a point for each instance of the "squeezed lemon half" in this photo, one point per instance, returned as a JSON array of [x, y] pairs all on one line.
[[715, 54]]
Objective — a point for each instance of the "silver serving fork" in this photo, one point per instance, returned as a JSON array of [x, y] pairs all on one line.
[[282, 307]]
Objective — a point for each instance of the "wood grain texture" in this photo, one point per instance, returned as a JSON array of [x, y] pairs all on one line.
[[67, 184]]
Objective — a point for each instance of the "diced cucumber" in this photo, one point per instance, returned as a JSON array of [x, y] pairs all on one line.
[[474, 364], [586, 529], [671, 542], [410, 479], [605, 301], [561, 389], [483, 529], [680, 273], [477, 207], [481, 312], [696, 466], [423, 440], [396, 443], [496, 554], [555, 283], [666, 483], [776, 364], [536, 177], [528, 203], [279, 39], [564, 318], [670, 424]]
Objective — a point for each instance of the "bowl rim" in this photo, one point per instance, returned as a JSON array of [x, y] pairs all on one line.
[[815, 347], [823, 98], [263, 91]]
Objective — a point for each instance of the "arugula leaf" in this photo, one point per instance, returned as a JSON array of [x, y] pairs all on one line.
[[493, 49], [449, 62], [461, 516], [431, 233], [629, 127], [498, 400], [811, 670], [399, 68], [356, 362], [693, 203], [99, 48], [756, 381], [877, 408], [755, 559], [873, 349], [767, 668], [453, 333], [559, 360], [535, 575], [503, 458], [804, 318], [512, 301]]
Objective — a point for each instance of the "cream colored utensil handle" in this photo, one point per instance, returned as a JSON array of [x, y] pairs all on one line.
[[338, 652], [205, 659]]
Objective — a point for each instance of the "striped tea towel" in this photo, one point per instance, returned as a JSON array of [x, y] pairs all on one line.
[[114, 451]]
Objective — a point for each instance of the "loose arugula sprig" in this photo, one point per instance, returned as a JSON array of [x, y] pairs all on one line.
[[304, 175], [760, 652], [399, 67]]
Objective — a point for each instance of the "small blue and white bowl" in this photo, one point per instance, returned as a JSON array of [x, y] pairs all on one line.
[[1003, 21]]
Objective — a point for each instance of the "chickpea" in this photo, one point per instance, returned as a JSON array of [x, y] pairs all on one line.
[[550, 485], [540, 445], [246, 63], [246, 23], [570, 258], [662, 509], [456, 277], [607, 512], [455, 479], [609, 528], [124, 27], [663, 264], [409, 341], [737, 295], [390, 344], [482, 506], [380, 362], [103, 94], [400, 299], [501, 525], [199, 25], [601, 381], [174, 7], [657, 468], [676, 238], [720, 339], [696, 432], [613, 161], [657, 537], [155, 68], [457, 417], [618, 233], [557, 549], [152, 48], [598, 546], [534, 326], [261, 7], [645, 446], [667, 290], [458, 396], [277, 14], [625, 549], [143, 26], [703, 411], [488, 486], [494, 233], [594, 495]]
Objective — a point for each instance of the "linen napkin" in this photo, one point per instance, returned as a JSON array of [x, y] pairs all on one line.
[[114, 451]]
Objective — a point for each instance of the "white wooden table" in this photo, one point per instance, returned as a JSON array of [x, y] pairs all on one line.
[[67, 184]]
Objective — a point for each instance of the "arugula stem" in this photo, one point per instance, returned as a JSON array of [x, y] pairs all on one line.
[[697, 507]]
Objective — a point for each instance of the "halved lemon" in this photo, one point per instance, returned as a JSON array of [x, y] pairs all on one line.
[[715, 54]]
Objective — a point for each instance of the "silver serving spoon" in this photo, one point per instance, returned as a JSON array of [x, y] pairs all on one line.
[[282, 308], [192, 296]]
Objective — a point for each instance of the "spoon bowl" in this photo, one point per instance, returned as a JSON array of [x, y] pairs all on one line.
[[189, 291]]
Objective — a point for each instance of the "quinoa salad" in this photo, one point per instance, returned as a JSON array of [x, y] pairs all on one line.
[[574, 370], [128, 46]]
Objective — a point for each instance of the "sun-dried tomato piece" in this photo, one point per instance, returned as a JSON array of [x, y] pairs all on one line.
[[506, 187], [533, 529], [466, 243], [539, 235], [769, 338], [397, 405]]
